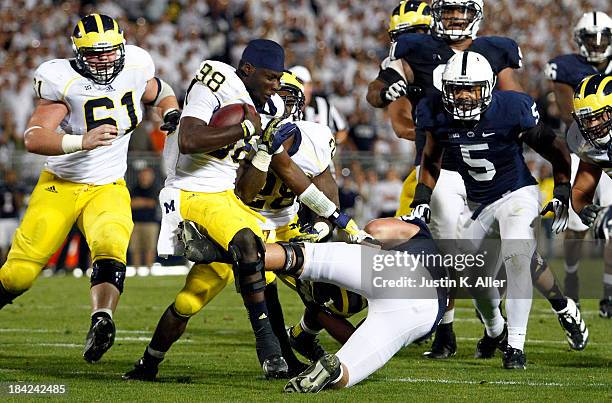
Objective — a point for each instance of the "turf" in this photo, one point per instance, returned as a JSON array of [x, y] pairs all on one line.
[[42, 334]]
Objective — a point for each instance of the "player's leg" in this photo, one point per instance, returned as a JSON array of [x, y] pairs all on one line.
[[106, 223], [48, 219], [407, 193], [603, 197], [236, 228], [203, 283], [518, 246]]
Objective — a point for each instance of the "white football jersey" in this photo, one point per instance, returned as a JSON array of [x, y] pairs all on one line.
[[314, 155], [586, 152], [216, 85], [89, 105]]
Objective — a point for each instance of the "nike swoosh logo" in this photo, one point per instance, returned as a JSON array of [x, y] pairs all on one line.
[[487, 134]]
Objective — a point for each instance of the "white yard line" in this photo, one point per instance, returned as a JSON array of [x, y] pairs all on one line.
[[466, 382]]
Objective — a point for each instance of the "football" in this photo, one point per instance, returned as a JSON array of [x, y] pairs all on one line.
[[229, 115]]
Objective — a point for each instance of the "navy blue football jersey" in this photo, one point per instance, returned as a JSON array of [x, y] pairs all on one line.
[[571, 69], [489, 153], [427, 55]]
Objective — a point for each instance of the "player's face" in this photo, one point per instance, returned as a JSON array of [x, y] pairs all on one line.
[[597, 43], [457, 17], [100, 58], [264, 83], [466, 96], [597, 119]]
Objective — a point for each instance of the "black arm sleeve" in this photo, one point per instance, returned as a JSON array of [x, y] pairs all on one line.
[[389, 76], [539, 137]]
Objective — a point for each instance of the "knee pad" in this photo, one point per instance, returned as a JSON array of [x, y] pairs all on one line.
[[108, 271], [294, 258], [18, 275], [242, 269], [538, 266], [187, 304]]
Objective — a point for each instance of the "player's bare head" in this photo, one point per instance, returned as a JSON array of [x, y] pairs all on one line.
[[261, 67], [467, 85], [455, 20], [593, 34], [99, 47], [593, 109]]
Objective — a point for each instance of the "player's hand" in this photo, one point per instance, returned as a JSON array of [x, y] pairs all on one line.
[[253, 117], [589, 213], [273, 128], [559, 205], [100, 136], [349, 227], [313, 233], [394, 91], [602, 226], [421, 211], [171, 121]]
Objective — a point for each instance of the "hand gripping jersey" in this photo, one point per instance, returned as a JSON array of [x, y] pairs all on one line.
[[586, 152], [571, 69], [215, 85], [427, 56], [312, 150], [489, 155], [91, 105]]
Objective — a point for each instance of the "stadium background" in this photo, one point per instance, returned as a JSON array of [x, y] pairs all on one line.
[[341, 42]]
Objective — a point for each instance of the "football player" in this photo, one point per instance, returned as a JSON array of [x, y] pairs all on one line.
[[95, 100], [593, 35], [591, 140], [483, 132]]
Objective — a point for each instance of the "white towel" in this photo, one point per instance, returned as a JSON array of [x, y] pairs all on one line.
[[168, 243]]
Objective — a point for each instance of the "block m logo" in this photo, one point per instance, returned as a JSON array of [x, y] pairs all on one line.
[[169, 207]]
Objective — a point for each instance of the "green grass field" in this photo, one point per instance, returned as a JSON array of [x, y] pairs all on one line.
[[42, 334]]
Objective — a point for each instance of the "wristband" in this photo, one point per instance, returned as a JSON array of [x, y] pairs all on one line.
[[261, 160], [248, 129], [317, 201], [72, 143], [422, 195]]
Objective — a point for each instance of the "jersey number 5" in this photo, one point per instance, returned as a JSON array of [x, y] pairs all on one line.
[[91, 122], [484, 164]]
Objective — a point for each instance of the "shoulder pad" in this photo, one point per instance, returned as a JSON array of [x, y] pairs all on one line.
[[414, 46], [568, 69], [138, 58], [51, 79], [500, 51]]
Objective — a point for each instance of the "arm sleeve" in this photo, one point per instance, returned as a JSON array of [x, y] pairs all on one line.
[[200, 103]]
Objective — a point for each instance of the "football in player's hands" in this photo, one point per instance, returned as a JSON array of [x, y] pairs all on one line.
[[235, 114]]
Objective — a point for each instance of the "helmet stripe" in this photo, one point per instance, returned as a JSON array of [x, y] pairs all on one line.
[[99, 23], [595, 18], [422, 7], [464, 63], [402, 9]]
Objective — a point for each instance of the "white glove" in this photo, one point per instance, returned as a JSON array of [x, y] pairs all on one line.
[[394, 91], [559, 205], [422, 212]]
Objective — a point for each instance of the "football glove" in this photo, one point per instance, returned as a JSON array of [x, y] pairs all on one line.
[[559, 205], [589, 213], [349, 227], [420, 203], [313, 233], [394, 91], [171, 121], [267, 140], [602, 226], [421, 212]]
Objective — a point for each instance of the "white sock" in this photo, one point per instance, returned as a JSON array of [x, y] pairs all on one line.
[[516, 337], [106, 311], [449, 317], [571, 269], [491, 315], [607, 279]]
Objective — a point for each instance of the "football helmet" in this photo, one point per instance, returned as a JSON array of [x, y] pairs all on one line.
[[292, 93], [593, 34], [408, 16], [593, 109], [457, 19], [94, 38], [467, 85]]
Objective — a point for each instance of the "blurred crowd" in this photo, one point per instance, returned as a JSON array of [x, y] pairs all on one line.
[[342, 43]]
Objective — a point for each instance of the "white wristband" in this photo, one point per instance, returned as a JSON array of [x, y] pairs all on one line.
[[317, 201], [261, 160], [248, 128], [72, 143]]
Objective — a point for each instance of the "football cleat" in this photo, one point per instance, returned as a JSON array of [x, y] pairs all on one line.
[[316, 376], [100, 338], [605, 308], [444, 344], [514, 358], [141, 372], [487, 345], [575, 329], [275, 367], [306, 344]]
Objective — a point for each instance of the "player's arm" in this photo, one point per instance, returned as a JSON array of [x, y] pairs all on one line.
[[431, 162], [507, 80], [249, 181], [585, 184], [564, 95], [40, 136], [390, 84], [553, 148], [159, 94], [400, 113]]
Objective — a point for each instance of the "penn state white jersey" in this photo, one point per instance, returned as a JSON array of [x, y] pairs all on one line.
[[216, 85], [276, 202], [91, 105], [586, 152]]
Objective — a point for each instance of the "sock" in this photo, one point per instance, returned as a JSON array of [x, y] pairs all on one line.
[[571, 268], [100, 313], [277, 322], [153, 357], [339, 376], [449, 317], [516, 337], [556, 298], [491, 315], [607, 280], [266, 342], [495, 325], [307, 329]]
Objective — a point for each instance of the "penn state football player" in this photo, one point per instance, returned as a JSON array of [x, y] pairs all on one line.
[[593, 35], [483, 132], [96, 99], [591, 140]]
